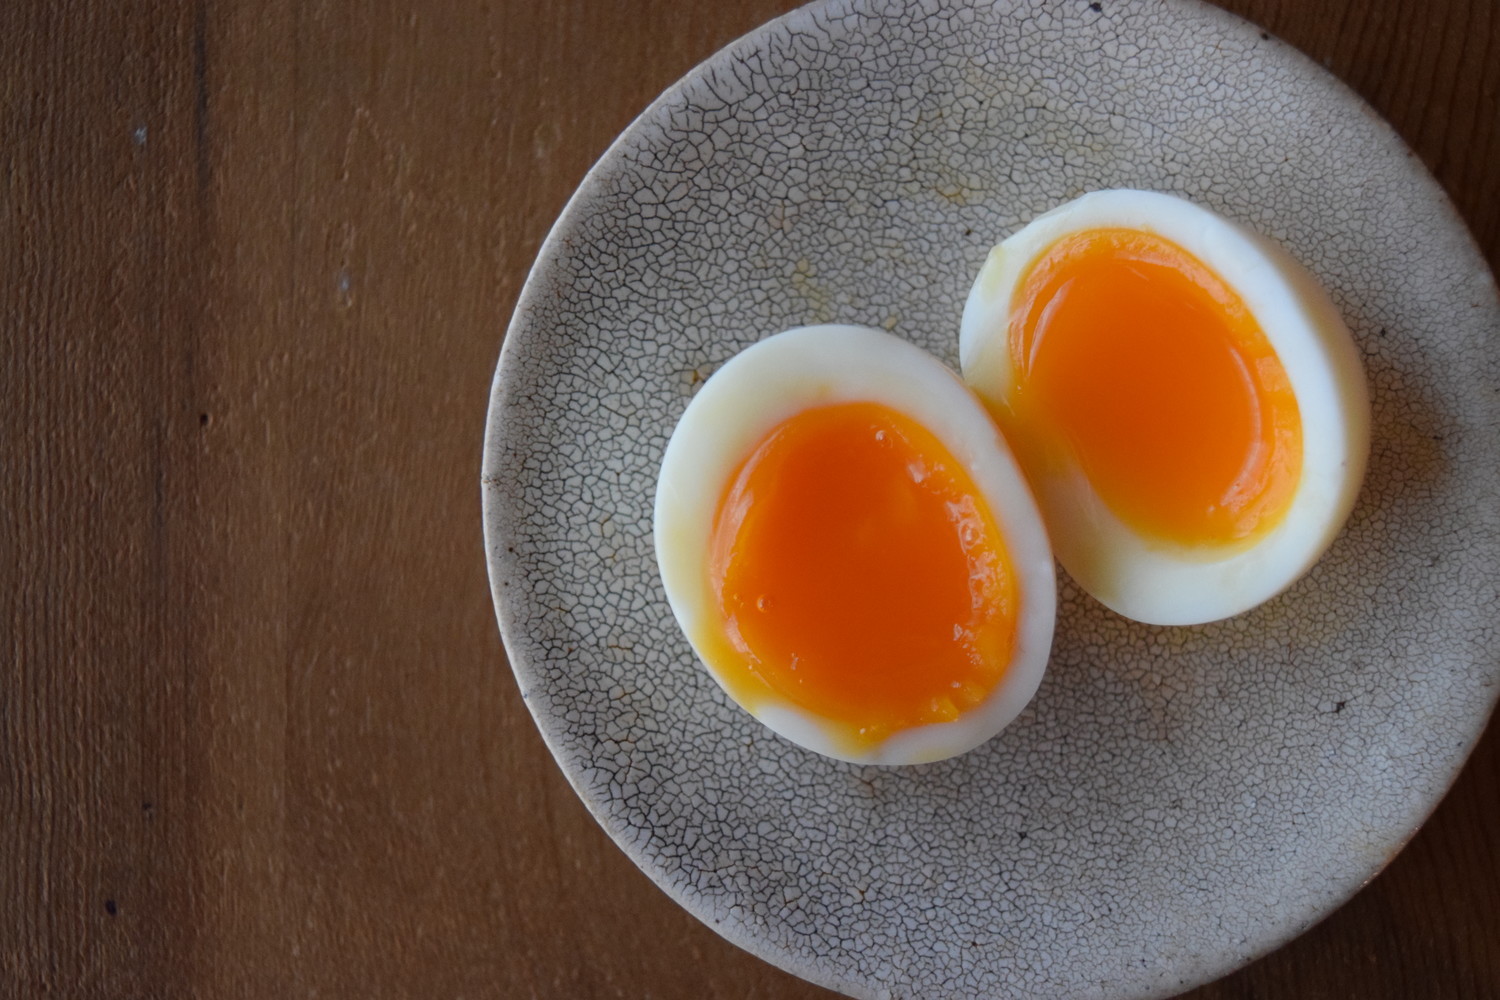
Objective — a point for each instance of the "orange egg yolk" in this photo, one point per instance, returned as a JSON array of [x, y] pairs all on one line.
[[1144, 366], [860, 576]]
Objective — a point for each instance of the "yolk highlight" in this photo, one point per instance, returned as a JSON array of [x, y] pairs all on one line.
[[860, 576], [1144, 365]]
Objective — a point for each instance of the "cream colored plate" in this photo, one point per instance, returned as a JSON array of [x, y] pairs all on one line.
[[1174, 802]]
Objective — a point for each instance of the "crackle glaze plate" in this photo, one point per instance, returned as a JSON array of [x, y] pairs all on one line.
[[1175, 801]]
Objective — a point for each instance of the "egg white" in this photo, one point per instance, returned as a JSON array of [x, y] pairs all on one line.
[[808, 367], [1148, 580]]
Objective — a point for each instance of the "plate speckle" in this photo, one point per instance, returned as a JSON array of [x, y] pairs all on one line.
[[1174, 802]]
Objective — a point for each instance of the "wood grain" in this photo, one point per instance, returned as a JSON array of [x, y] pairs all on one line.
[[258, 734]]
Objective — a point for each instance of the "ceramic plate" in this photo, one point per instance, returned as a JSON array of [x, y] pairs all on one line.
[[1175, 801]]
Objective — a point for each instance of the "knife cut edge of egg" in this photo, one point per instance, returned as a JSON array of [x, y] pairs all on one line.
[[736, 412], [1136, 575]]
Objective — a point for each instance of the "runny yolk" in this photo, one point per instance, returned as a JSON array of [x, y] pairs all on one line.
[[1143, 364], [860, 576]]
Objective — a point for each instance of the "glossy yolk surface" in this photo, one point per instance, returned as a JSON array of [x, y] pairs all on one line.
[[1143, 364], [860, 576]]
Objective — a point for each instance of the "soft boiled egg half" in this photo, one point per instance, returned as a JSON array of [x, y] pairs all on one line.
[[1189, 408], [851, 549]]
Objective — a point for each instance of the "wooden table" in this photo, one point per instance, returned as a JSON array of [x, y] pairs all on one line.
[[257, 734]]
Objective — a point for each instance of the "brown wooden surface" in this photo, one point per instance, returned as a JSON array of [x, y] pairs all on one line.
[[257, 735]]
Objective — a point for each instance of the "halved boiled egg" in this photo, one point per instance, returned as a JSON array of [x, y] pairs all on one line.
[[851, 549], [1188, 406]]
